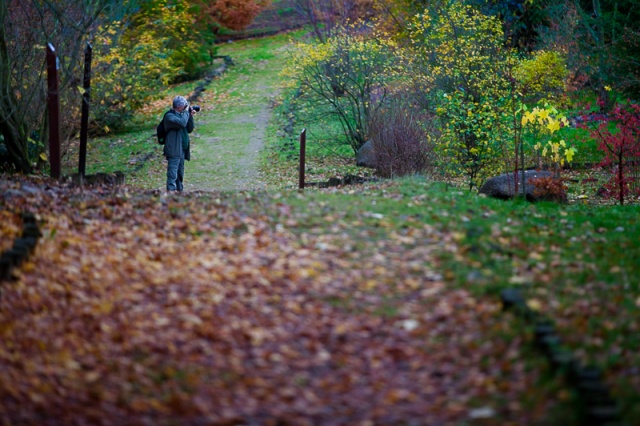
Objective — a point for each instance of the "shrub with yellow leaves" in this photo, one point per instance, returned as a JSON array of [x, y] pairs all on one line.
[[463, 63], [543, 76], [159, 45], [545, 121]]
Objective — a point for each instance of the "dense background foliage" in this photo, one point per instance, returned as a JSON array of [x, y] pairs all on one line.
[[479, 69]]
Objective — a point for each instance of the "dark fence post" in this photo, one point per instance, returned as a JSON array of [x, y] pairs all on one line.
[[86, 99], [54, 111], [303, 148]]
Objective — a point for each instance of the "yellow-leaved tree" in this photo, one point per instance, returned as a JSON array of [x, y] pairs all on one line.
[[463, 60], [158, 45]]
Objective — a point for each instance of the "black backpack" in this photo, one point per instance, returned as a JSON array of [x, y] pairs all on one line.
[[161, 133]]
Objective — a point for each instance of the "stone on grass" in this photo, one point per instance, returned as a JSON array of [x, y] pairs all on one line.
[[366, 156]]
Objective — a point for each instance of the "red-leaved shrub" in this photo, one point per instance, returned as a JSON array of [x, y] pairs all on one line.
[[400, 141], [549, 189], [618, 136]]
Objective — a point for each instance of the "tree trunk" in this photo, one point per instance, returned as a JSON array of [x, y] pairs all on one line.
[[12, 128], [601, 49], [621, 182], [14, 139]]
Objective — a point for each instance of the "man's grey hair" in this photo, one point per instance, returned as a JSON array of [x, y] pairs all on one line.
[[179, 102]]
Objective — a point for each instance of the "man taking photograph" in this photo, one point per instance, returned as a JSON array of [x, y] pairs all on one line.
[[178, 123]]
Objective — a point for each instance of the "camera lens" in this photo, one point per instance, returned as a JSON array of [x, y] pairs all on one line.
[[196, 108]]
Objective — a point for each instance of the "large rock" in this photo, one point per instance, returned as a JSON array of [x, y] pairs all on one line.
[[503, 186], [366, 156]]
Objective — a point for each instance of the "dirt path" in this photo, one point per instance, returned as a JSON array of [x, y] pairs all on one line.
[[229, 164], [231, 130], [247, 165]]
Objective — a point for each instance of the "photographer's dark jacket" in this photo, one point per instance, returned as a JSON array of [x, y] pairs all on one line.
[[178, 126]]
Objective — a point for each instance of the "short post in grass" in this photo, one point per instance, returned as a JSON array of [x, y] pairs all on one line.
[[303, 148], [84, 123], [54, 111]]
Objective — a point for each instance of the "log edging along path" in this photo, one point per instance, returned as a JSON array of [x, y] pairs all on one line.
[[22, 248], [595, 405]]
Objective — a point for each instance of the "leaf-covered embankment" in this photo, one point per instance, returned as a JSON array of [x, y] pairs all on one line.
[[211, 309]]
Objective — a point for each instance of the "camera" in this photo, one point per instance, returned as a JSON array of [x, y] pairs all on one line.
[[196, 108]]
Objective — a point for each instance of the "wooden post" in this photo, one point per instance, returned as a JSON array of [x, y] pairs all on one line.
[[54, 111], [86, 99], [303, 148]]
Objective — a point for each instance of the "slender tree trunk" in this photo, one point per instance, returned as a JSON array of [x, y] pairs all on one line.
[[516, 143], [621, 182], [524, 182], [601, 49]]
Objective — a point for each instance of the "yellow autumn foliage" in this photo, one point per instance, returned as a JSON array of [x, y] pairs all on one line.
[[542, 76]]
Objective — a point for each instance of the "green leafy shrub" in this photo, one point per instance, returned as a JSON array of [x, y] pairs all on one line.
[[158, 46], [351, 73]]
